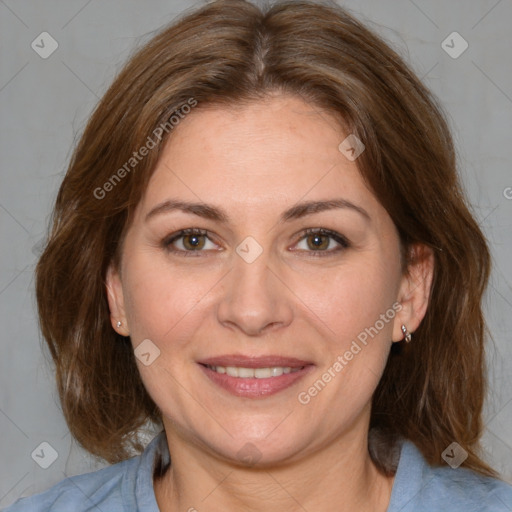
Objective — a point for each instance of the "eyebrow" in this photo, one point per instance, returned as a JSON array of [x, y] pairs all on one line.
[[211, 212]]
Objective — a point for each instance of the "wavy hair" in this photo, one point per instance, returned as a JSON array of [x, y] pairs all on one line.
[[224, 54]]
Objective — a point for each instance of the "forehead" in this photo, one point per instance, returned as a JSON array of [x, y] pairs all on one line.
[[280, 150]]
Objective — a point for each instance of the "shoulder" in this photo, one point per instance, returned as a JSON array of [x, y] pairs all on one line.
[[420, 487], [102, 488], [468, 491], [127, 485], [79, 493]]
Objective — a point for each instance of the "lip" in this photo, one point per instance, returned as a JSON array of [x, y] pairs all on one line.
[[255, 362], [253, 387]]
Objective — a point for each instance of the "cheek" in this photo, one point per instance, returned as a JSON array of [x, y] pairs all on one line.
[[161, 302], [355, 337], [164, 303], [351, 298]]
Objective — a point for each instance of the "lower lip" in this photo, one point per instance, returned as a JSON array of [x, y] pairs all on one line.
[[252, 387]]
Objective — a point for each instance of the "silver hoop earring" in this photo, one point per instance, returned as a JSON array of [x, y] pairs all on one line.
[[119, 324], [407, 334]]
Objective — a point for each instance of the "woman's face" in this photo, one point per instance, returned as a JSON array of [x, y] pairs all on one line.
[[257, 286]]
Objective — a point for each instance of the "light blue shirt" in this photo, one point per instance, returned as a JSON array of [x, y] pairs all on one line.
[[128, 487]]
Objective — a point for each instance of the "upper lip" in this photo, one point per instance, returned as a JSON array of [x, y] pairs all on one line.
[[242, 361]]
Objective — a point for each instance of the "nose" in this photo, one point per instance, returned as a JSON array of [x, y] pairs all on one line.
[[255, 300]]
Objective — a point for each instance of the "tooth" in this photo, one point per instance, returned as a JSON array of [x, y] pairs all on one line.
[[250, 373], [262, 373], [246, 373], [276, 371], [232, 371]]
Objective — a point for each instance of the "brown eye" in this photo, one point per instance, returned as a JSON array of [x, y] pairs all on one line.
[[321, 240], [317, 241], [189, 241], [193, 242]]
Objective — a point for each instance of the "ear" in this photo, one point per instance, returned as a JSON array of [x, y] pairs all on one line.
[[415, 289], [115, 297]]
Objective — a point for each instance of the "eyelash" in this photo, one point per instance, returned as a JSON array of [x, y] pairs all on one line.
[[337, 237]]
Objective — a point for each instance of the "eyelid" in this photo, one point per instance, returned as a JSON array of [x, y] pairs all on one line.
[[341, 240], [169, 240]]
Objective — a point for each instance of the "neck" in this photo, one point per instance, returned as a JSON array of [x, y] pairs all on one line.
[[339, 477]]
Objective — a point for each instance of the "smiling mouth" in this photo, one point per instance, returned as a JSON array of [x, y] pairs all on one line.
[[254, 377], [254, 373]]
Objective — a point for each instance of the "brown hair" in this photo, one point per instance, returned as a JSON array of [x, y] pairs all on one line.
[[227, 53]]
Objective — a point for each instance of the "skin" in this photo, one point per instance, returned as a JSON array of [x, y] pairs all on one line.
[[254, 162]]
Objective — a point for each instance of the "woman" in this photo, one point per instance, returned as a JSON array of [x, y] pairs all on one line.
[[262, 246]]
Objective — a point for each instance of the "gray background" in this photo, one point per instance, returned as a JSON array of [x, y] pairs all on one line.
[[45, 102]]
